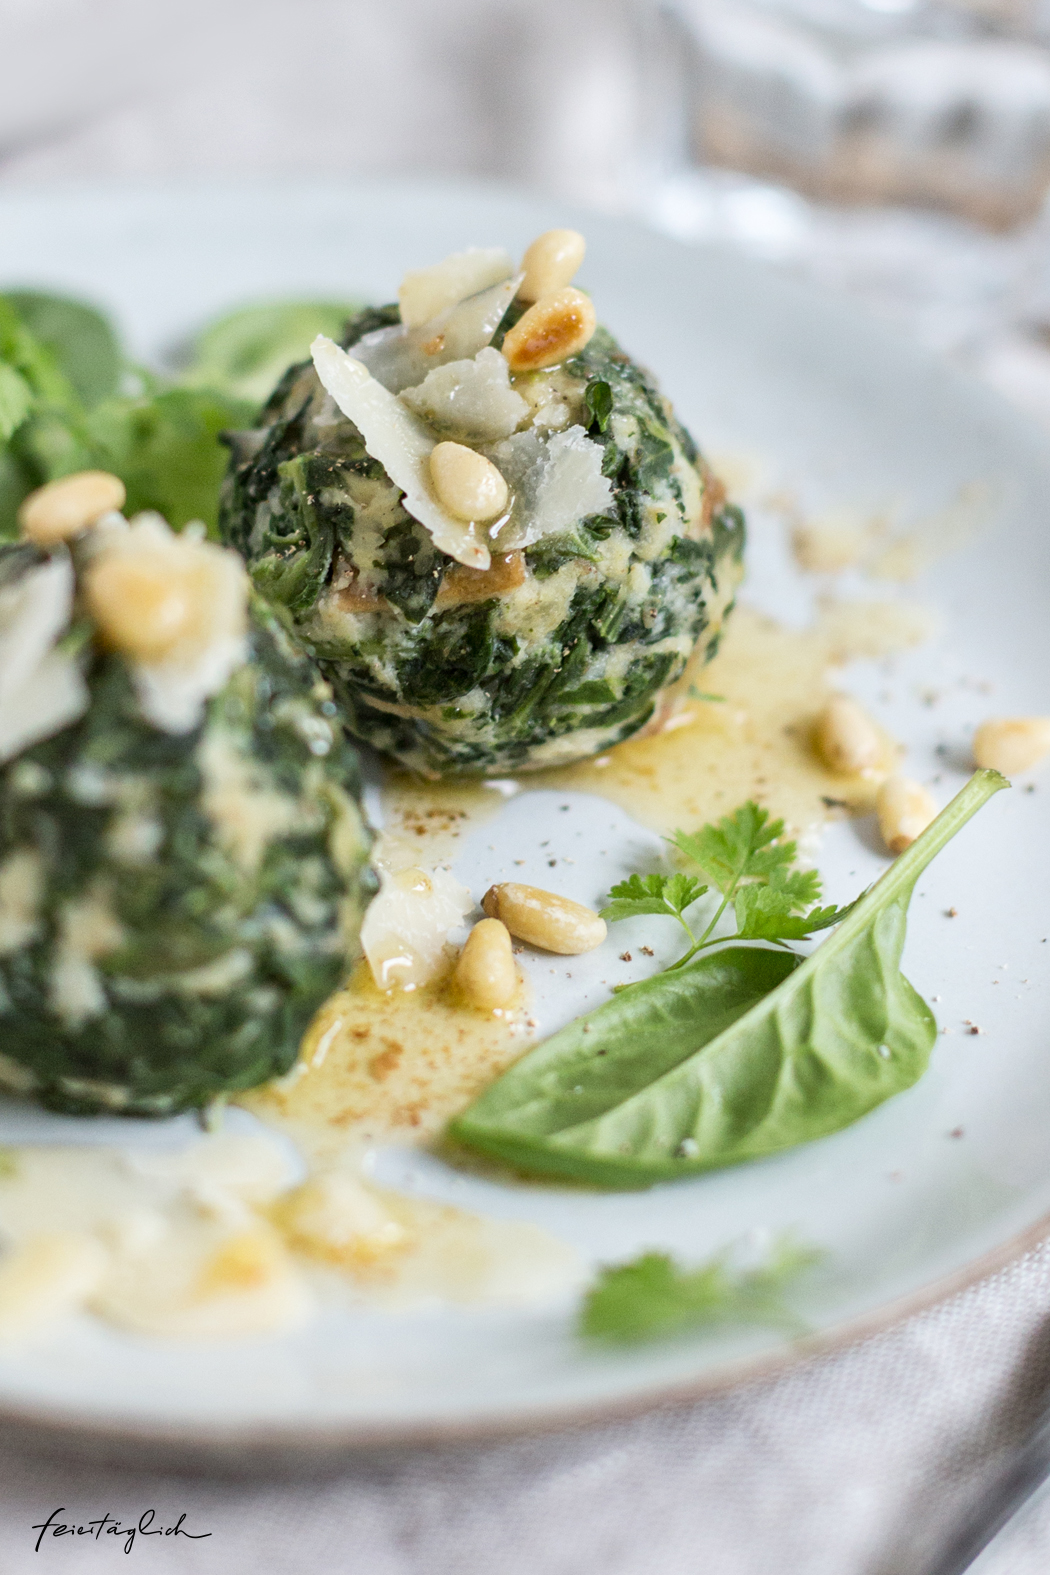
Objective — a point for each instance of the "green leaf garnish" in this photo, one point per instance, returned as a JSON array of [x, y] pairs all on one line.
[[16, 399], [244, 353], [81, 342], [652, 1297], [663, 894], [742, 1052], [597, 396], [747, 859]]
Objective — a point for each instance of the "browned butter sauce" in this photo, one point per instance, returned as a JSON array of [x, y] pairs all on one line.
[[396, 1067]]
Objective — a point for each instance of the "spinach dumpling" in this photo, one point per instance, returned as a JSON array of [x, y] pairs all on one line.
[[183, 860], [525, 626]]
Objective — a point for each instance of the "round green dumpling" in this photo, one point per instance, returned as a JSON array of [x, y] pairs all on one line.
[[617, 558], [183, 859]]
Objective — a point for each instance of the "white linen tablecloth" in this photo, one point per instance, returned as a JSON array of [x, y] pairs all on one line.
[[855, 1464], [848, 1465]]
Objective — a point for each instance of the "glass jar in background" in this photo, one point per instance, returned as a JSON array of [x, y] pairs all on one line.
[[944, 103], [895, 149]]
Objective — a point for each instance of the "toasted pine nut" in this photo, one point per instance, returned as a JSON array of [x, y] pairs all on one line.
[[64, 508], [1011, 744], [846, 737], [468, 484], [905, 808], [485, 972], [553, 923], [555, 328], [551, 263]]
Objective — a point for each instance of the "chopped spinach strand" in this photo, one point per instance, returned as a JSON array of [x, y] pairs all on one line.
[[598, 398]]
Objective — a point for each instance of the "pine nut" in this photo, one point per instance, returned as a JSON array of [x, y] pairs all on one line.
[[551, 263], [555, 328], [468, 484], [1012, 744], [553, 923], [904, 808], [485, 972], [64, 508], [846, 737]]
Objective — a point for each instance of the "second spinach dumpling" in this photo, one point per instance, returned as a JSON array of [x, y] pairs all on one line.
[[183, 860], [485, 631]]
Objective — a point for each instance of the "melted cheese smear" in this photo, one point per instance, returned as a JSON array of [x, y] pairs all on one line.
[[222, 1239]]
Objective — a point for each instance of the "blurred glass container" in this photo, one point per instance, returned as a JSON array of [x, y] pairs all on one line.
[[941, 103]]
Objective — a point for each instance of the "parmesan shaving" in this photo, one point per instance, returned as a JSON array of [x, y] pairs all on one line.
[[425, 292], [401, 357], [174, 686], [401, 444], [556, 483], [470, 401], [41, 689], [407, 925]]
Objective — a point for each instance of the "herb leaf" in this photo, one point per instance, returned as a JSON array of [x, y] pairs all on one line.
[[663, 894], [742, 846], [652, 1296], [766, 913], [750, 864], [740, 1054]]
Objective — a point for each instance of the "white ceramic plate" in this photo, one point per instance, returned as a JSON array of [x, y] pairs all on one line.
[[853, 414]]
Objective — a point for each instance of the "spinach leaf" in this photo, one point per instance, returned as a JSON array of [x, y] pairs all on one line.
[[16, 399], [80, 339], [613, 1056], [166, 450], [245, 352], [598, 398], [652, 1297], [743, 1053]]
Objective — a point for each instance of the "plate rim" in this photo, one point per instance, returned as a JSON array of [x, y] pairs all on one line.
[[200, 1447]]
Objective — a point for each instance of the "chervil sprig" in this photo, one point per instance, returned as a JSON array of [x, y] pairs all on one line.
[[746, 858]]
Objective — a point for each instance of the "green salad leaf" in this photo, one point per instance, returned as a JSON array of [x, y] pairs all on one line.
[[741, 1053], [70, 401], [652, 1297], [16, 399], [165, 448], [81, 342], [245, 352]]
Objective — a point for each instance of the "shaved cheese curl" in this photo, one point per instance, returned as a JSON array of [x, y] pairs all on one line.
[[402, 445]]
